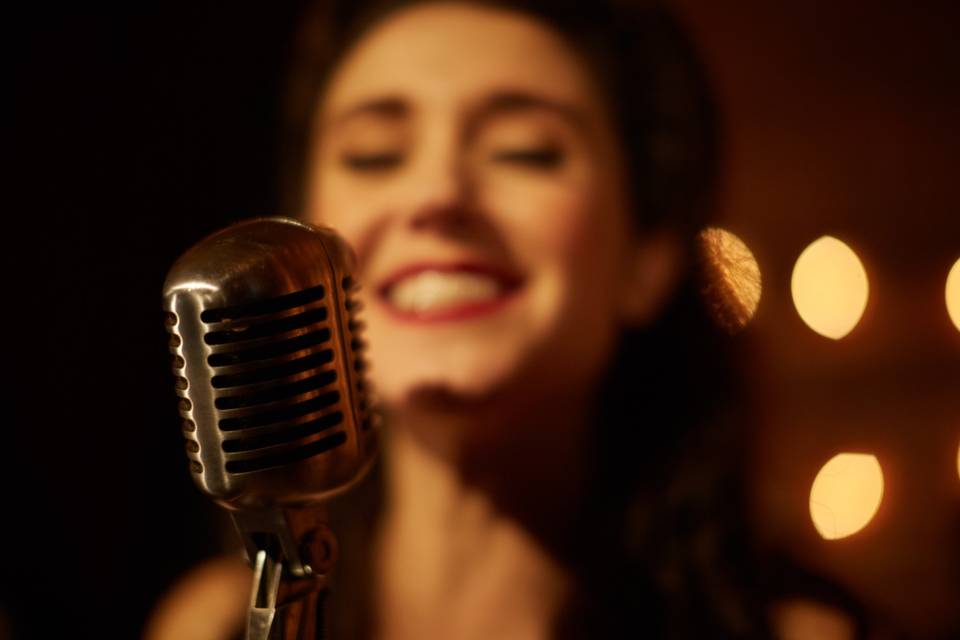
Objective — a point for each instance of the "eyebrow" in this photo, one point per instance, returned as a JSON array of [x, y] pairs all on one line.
[[385, 106], [501, 102], [514, 101]]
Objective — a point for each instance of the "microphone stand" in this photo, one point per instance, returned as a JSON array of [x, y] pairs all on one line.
[[292, 552]]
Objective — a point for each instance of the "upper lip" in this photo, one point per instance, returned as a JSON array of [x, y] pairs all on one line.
[[508, 279]]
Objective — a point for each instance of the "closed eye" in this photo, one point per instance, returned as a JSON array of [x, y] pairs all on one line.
[[370, 161], [539, 158]]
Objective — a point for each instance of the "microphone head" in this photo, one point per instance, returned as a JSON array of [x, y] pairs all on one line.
[[268, 360]]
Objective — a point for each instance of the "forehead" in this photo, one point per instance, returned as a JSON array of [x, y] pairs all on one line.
[[451, 52]]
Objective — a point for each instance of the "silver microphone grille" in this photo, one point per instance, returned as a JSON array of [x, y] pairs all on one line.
[[268, 358]]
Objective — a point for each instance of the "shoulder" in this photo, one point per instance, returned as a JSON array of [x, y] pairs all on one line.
[[804, 618], [209, 602]]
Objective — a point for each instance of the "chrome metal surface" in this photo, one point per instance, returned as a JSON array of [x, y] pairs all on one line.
[[270, 615], [263, 596], [268, 358]]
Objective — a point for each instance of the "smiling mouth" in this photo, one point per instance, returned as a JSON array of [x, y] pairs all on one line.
[[434, 293]]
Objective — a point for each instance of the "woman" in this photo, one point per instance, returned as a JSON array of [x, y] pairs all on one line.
[[521, 183]]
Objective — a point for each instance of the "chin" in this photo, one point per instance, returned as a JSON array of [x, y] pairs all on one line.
[[472, 358], [499, 365], [472, 373]]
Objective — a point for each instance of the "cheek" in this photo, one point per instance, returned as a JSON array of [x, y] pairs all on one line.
[[545, 220], [569, 228], [337, 201], [570, 235]]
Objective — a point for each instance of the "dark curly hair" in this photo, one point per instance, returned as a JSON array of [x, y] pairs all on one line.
[[654, 86], [664, 551]]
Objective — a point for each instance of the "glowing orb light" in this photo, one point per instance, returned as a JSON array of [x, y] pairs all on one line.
[[846, 494], [829, 287], [733, 278], [953, 294]]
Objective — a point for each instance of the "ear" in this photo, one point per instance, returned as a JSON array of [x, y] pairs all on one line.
[[650, 275]]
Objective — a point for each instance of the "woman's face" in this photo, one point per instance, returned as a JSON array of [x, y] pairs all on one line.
[[467, 157]]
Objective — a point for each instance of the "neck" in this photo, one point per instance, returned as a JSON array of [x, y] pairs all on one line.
[[474, 536]]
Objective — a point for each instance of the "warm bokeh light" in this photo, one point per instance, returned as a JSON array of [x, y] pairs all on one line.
[[829, 287], [953, 294], [846, 494], [733, 278]]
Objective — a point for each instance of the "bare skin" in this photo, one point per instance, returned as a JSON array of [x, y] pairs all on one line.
[[460, 140], [208, 603], [800, 619], [468, 146], [452, 564]]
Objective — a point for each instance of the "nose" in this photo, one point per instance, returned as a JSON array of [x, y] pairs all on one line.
[[438, 195]]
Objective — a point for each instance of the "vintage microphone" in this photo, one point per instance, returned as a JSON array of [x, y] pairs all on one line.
[[268, 361]]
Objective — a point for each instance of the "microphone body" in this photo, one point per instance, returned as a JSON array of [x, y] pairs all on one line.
[[268, 359]]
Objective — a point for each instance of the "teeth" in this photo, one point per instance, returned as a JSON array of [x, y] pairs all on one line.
[[432, 290]]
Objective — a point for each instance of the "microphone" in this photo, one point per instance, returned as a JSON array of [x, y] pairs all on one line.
[[268, 358]]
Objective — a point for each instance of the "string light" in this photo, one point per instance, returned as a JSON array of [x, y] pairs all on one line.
[[733, 281], [952, 294], [846, 494], [829, 287]]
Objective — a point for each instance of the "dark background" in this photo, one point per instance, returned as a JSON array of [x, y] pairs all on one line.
[[135, 132], [138, 130]]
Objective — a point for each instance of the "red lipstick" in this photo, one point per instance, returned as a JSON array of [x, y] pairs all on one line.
[[509, 284]]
